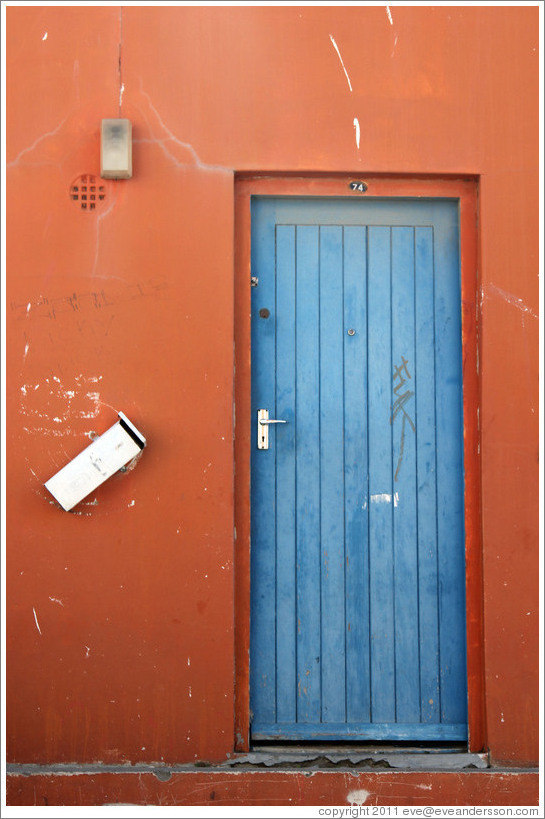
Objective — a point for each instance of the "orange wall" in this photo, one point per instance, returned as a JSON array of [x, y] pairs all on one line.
[[120, 637]]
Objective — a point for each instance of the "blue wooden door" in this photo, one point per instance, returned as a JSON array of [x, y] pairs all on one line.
[[357, 530]]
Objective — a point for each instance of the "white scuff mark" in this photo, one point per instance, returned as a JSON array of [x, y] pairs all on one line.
[[93, 379], [36, 620], [57, 392], [357, 129], [190, 694], [44, 37], [189, 660], [510, 298], [55, 433], [100, 218], [358, 797], [95, 398], [87, 651], [56, 600], [394, 48], [396, 498], [383, 497], [170, 137], [131, 503], [389, 13], [121, 92], [336, 47], [424, 787], [29, 305], [27, 348], [32, 147]]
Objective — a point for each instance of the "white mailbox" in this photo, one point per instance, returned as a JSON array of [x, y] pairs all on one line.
[[101, 459]]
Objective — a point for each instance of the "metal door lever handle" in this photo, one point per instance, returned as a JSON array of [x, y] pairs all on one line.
[[263, 422]]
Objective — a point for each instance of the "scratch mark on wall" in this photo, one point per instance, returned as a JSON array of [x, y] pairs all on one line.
[[121, 92], [36, 620], [388, 12], [44, 37], [87, 301], [513, 300], [56, 600], [35, 144], [87, 651], [336, 47], [357, 129]]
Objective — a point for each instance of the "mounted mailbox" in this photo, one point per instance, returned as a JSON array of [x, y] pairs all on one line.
[[101, 459]]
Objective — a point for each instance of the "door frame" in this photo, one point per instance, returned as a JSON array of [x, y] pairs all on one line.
[[465, 189]]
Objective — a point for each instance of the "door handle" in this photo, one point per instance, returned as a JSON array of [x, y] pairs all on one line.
[[263, 422]]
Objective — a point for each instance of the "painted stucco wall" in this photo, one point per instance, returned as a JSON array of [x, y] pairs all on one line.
[[120, 636]]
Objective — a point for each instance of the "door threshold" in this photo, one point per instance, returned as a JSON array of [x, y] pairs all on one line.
[[408, 756]]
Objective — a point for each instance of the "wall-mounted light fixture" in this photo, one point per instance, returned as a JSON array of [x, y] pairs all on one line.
[[116, 149]]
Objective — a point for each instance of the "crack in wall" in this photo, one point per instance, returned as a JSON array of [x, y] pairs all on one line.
[[119, 58], [35, 144], [194, 160]]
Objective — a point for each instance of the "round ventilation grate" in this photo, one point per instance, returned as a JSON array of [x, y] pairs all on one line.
[[88, 192]]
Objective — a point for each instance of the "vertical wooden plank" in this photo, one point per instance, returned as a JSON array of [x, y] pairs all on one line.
[[381, 558], [308, 476], [426, 468], [263, 580], [332, 475], [358, 702], [448, 367], [403, 420], [283, 440]]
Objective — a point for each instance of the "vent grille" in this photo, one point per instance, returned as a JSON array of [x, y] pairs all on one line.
[[88, 192]]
